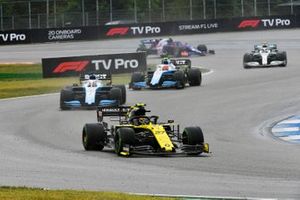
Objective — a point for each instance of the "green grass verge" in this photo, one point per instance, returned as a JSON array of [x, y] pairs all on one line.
[[26, 79], [14, 193]]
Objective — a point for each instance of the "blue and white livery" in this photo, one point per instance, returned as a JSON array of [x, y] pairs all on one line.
[[168, 74], [95, 90]]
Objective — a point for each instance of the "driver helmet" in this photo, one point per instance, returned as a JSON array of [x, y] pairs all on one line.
[[166, 61], [92, 77], [265, 45], [137, 110], [170, 40]]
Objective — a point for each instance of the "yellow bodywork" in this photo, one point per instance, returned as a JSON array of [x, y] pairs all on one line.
[[161, 136]]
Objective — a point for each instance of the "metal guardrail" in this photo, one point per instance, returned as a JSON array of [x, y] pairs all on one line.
[[95, 13]]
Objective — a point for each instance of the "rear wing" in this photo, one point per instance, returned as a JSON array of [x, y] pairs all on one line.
[[182, 62], [112, 111], [96, 76], [270, 46]]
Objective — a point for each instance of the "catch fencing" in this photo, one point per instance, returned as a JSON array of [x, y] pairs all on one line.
[[41, 14]]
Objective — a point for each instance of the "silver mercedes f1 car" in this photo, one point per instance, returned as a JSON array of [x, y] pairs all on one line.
[[265, 55]]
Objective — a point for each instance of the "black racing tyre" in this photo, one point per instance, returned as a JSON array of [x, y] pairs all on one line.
[[283, 57], [192, 135], [247, 58], [123, 92], [194, 77], [65, 95], [202, 48], [93, 137], [136, 77], [116, 94], [180, 78], [124, 136]]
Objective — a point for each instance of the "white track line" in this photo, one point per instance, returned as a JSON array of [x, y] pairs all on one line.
[[290, 137], [291, 121], [285, 129]]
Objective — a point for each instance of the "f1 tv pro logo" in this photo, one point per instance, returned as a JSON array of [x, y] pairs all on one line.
[[134, 30], [77, 66], [254, 23], [249, 23], [117, 31]]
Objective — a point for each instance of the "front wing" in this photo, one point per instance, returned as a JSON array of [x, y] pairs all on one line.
[[179, 150]]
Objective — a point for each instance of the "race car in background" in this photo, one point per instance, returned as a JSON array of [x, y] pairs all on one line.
[[94, 90], [148, 46], [137, 133], [265, 55], [171, 73], [168, 47]]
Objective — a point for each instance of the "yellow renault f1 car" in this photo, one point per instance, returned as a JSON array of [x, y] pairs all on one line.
[[137, 133]]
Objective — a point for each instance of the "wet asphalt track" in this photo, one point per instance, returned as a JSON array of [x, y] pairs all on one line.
[[40, 146]]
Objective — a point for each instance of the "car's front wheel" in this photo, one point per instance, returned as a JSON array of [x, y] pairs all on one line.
[[195, 77], [179, 77], [193, 136], [124, 138], [247, 58], [65, 95]]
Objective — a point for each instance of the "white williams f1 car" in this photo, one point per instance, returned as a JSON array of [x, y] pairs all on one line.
[[95, 90], [174, 73], [265, 55]]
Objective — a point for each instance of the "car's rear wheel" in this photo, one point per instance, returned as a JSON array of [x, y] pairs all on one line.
[[123, 92], [93, 137], [124, 137], [193, 136], [180, 79], [202, 48], [116, 94], [194, 77]]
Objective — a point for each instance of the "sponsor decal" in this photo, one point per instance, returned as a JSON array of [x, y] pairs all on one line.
[[71, 66], [184, 54], [134, 30], [12, 37], [117, 31], [63, 34], [267, 23], [276, 22], [117, 63], [96, 64], [140, 30], [198, 26], [249, 23]]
